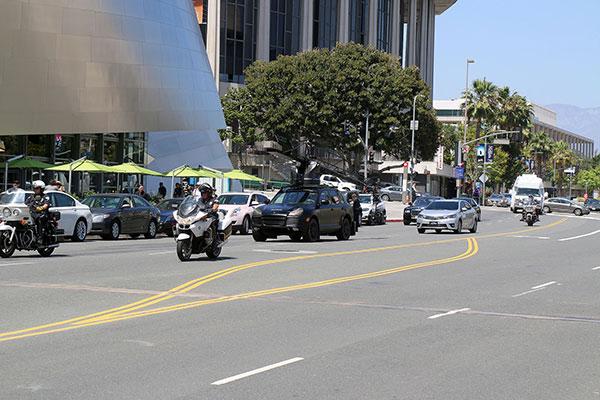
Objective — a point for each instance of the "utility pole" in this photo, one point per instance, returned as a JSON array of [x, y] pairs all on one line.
[[366, 147], [413, 126], [466, 123]]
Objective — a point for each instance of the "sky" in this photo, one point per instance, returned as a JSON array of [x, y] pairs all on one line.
[[546, 50]]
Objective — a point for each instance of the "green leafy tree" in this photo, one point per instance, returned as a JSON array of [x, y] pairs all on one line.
[[240, 118], [589, 178]]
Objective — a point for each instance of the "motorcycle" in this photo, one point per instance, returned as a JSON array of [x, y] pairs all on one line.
[[199, 230], [530, 214], [21, 234]]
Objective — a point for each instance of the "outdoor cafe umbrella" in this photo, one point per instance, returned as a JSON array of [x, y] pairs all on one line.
[[132, 168], [186, 171], [81, 166], [241, 175], [22, 163]]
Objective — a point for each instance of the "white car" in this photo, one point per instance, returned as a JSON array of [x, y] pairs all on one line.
[[239, 206], [75, 218], [335, 182], [373, 212]]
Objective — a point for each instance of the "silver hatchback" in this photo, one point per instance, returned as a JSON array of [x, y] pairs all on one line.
[[454, 215]]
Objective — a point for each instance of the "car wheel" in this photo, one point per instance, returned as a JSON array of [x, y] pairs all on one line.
[[421, 230], [258, 236], [458, 226], [406, 221], [80, 231], [151, 234], [312, 231], [115, 231], [245, 228], [296, 237], [547, 210], [345, 230], [577, 212], [7, 248], [385, 197], [474, 228]]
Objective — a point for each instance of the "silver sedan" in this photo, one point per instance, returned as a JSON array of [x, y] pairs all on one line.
[[454, 215]]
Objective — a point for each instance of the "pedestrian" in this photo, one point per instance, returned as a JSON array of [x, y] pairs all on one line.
[[196, 191], [140, 192], [476, 195], [187, 189], [16, 185], [162, 190], [51, 185], [178, 192], [357, 211]]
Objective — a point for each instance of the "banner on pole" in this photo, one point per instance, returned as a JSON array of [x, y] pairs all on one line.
[[489, 154]]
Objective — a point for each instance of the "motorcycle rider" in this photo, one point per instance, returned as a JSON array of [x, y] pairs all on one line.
[[38, 205], [211, 204], [530, 202]]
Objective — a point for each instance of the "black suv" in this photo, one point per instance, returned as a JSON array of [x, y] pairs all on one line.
[[304, 212], [411, 212]]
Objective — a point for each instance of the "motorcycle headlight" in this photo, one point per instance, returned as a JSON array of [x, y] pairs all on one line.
[[236, 211], [6, 212], [16, 212], [296, 212]]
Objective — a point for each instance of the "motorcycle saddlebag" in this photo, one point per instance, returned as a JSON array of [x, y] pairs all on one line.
[[54, 215], [224, 231]]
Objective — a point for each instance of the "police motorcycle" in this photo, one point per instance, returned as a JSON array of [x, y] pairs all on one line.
[[200, 230], [18, 230], [531, 212]]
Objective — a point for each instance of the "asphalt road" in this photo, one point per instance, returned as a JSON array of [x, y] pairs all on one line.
[[507, 313]]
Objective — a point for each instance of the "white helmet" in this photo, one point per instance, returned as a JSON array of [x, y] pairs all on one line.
[[39, 184]]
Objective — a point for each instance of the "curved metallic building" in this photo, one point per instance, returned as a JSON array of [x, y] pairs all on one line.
[[89, 66]]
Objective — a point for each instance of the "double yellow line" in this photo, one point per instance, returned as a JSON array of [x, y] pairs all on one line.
[[132, 310]]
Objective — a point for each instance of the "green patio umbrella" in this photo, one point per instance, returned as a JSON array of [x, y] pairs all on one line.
[[186, 171], [133, 168], [82, 166], [26, 162], [241, 175]]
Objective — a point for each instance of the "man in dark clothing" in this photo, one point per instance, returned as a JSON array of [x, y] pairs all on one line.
[[357, 211], [162, 190], [211, 205], [178, 192], [140, 192], [38, 205]]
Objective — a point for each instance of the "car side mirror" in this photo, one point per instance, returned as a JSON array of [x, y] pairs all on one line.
[[126, 205], [254, 203], [267, 201], [410, 203], [464, 209]]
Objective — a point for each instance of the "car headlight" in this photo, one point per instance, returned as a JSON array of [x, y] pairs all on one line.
[[449, 216], [296, 212], [16, 212], [236, 211], [6, 212], [257, 212], [100, 218]]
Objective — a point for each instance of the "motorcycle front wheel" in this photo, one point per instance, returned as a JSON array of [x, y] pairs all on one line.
[[7, 248], [184, 250]]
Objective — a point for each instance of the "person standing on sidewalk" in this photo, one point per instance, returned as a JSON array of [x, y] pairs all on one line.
[[357, 211]]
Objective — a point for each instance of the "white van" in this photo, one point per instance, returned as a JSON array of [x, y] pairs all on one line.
[[526, 185]]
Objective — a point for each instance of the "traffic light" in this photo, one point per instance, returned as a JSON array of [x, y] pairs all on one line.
[[517, 136], [458, 154], [371, 156]]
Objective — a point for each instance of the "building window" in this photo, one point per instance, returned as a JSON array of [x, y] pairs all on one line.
[[11, 145], [449, 113], [38, 145], [134, 148], [359, 19], [284, 27], [325, 23], [238, 38], [384, 24]]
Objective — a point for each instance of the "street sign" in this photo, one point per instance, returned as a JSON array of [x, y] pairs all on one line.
[[405, 165], [414, 124], [440, 157], [466, 148], [532, 165], [489, 154], [480, 153], [483, 178], [501, 141], [458, 173], [87, 154], [570, 171]]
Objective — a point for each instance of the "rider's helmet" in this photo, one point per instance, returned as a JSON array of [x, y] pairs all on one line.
[[206, 188], [39, 185]]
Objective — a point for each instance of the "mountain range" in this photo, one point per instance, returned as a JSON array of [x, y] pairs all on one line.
[[582, 121]]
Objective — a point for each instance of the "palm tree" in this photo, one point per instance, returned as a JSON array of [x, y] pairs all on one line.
[[482, 103], [540, 146], [562, 155], [513, 110]]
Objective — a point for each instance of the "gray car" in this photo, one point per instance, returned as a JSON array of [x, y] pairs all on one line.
[[391, 193], [558, 204], [454, 215]]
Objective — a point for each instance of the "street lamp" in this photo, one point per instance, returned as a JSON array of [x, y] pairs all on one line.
[[466, 123], [413, 124]]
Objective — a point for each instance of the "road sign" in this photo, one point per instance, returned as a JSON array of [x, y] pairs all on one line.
[[570, 170], [414, 124], [480, 153], [483, 178], [458, 173], [405, 165], [440, 157], [489, 154], [466, 148]]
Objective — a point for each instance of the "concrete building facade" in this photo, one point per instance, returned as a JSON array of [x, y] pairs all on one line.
[[237, 32]]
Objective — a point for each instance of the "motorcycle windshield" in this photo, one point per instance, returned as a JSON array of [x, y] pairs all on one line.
[[188, 207]]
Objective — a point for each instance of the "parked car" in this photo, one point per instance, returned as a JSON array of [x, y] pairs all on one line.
[[114, 214], [239, 207], [452, 214], [411, 212], [391, 193], [593, 204], [373, 209], [167, 223], [473, 204], [335, 182], [496, 200], [304, 213], [558, 204], [75, 218]]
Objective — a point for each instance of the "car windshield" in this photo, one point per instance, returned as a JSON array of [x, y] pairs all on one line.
[[365, 199], [424, 201], [495, 197], [13, 197], [443, 205], [528, 191], [167, 205], [102, 201], [295, 197], [234, 199]]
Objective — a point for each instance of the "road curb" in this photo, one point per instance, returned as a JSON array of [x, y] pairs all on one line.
[[394, 220]]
